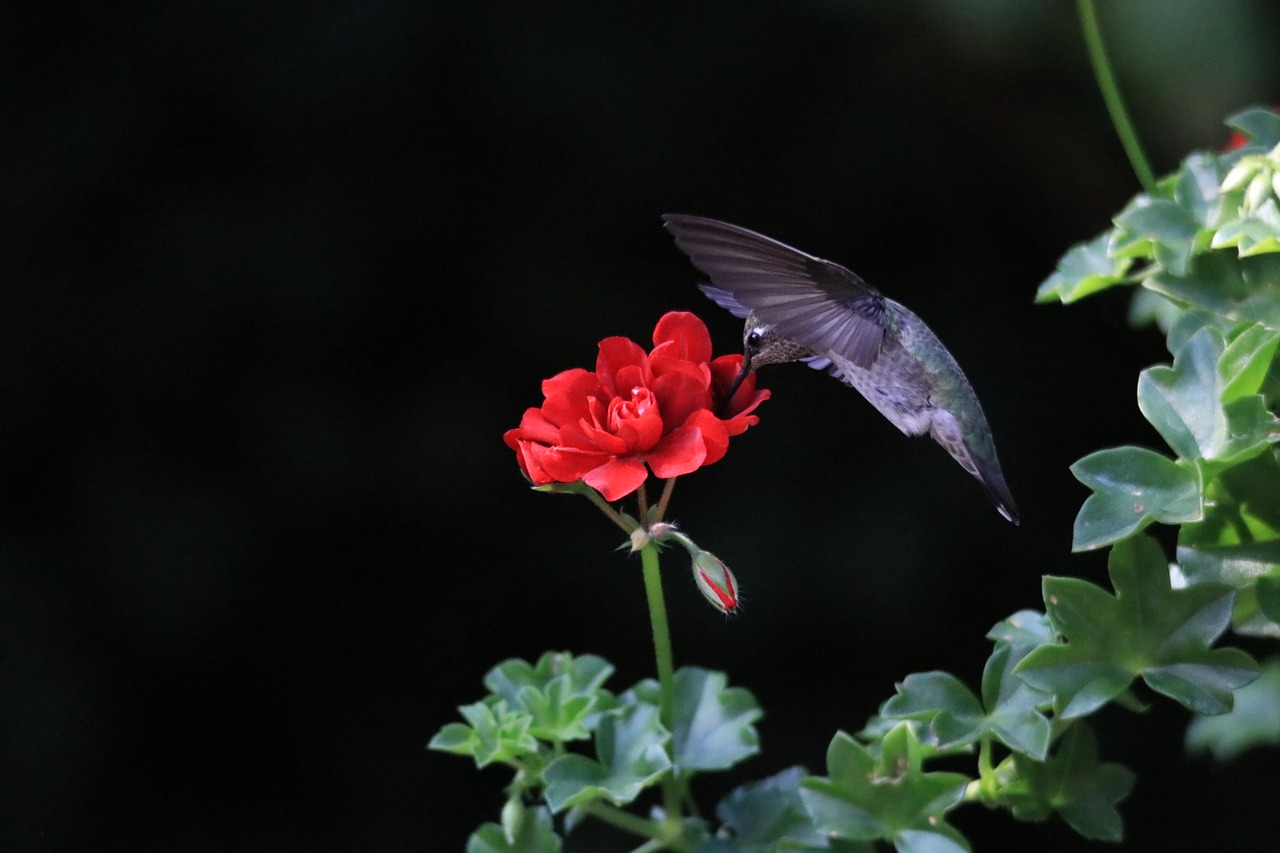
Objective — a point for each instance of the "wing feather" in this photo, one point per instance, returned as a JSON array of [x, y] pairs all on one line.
[[804, 298]]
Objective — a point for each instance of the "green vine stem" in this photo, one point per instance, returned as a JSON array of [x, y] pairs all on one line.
[[1111, 95], [671, 787]]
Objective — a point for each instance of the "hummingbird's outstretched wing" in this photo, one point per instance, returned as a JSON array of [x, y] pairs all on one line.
[[803, 298]]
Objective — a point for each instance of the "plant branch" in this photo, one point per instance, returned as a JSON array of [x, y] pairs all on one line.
[[1111, 95], [671, 793]]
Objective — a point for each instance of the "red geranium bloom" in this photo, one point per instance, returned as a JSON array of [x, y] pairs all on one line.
[[657, 409]]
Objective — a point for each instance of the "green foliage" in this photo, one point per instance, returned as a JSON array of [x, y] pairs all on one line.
[[1204, 248], [886, 796], [1146, 629], [1253, 720], [1074, 784]]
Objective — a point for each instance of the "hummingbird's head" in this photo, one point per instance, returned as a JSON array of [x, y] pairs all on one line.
[[761, 345]]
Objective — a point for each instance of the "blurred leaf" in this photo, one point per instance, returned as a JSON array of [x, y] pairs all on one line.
[[494, 733], [1252, 234], [712, 722], [1085, 269], [768, 815], [1196, 188], [561, 693], [1239, 538], [1146, 629], [1213, 282], [1260, 126], [1252, 722], [1074, 784], [1132, 487], [528, 830], [1029, 628], [1246, 360], [630, 745], [889, 797], [1268, 592], [1170, 228]]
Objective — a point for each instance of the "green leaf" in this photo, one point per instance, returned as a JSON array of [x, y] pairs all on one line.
[[527, 830], [1028, 628], [1008, 709], [1132, 487], [1255, 233], [1252, 722], [1170, 228], [1260, 126], [1147, 629], [1213, 282], [1085, 269], [1245, 362], [1183, 403], [889, 797], [1074, 784], [494, 733], [1196, 187], [562, 694], [1268, 592], [630, 745], [1239, 539], [713, 723], [768, 815]]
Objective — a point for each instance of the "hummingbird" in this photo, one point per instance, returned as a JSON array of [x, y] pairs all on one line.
[[799, 307]]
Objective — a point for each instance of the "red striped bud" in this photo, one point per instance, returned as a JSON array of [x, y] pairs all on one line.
[[715, 582]]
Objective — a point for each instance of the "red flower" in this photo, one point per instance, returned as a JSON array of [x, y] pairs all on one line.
[[657, 409]]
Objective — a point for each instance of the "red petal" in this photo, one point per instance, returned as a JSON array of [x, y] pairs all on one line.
[[681, 452], [715, 435], [567, 395], [679, 396], [617, 478], [535, 426], [570, 464], [690, 335], [615, 354]]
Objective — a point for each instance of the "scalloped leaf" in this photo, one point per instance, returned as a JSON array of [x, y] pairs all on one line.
[[768, 815], [1083, 791], [1252, 722], [493, 733], [1132, 488], [631, 748], [1085, 269], [1146, 629], [523, 830], [890, 797], [561, 693], [713, 724]]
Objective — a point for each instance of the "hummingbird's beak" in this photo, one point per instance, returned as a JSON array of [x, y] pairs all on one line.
[[737, 381]]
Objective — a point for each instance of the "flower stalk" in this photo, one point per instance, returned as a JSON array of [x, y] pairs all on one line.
[[671, 793], [1111, 95]]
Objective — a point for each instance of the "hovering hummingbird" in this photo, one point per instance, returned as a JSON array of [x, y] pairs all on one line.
[[799, 307]]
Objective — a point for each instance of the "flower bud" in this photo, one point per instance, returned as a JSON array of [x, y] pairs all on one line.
[[715, 582]]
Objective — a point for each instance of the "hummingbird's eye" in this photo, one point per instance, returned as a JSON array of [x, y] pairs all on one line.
[[753, 339]]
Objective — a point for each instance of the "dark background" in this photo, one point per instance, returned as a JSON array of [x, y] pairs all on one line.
[[278, 275]]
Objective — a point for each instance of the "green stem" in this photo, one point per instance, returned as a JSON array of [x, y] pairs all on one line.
[[664, 500], [598, 499], [1111, 95], [614, 816], [671, 788]]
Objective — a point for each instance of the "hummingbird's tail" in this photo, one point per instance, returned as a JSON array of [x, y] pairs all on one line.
[[980, 462]]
